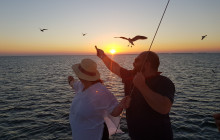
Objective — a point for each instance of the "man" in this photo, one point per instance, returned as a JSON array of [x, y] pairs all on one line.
[[152, 96]]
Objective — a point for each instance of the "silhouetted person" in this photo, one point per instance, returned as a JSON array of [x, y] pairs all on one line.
[[152, 96], [131, 40]]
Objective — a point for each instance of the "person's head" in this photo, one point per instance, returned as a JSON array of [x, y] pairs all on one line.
[[87, 71], [146, 57]]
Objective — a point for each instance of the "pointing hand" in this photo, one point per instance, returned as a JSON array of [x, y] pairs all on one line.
[[100, 53]]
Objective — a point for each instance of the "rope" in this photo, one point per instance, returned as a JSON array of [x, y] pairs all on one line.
[[153, 38], [147, 53], [159, 25]]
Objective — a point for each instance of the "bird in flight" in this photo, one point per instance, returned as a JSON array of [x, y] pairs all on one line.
[[131, 40], [203, 37], [213, 71], [84, 34], [42, 30]]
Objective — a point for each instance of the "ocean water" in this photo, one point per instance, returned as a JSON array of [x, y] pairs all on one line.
[[35, 97]]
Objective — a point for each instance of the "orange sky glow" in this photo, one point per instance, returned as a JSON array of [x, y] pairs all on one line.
[[180, 31]]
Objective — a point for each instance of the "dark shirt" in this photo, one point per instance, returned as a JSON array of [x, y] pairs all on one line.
[[144, 122]]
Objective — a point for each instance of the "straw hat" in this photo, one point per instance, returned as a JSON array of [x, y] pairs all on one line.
[[86, 70]]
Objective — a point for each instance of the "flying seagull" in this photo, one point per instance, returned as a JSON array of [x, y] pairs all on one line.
[[213, 71], [203, 37], [131, 40], [42, 30], [84, 34]]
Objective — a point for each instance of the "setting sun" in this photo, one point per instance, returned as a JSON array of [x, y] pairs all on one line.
[[112, 51], [112, 48]]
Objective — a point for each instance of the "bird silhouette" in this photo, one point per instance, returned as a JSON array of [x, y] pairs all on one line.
[[84, 34], [213, 71], [42, 30], [131, 40], [203, 37]]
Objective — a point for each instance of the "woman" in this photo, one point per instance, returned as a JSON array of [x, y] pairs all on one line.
[[92, 102]]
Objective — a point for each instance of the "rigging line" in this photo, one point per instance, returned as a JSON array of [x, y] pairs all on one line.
[[142, 66], [153, 38], [146, 55], [159, 25]]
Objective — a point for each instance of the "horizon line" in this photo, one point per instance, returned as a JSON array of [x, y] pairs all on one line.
[[83, 54]]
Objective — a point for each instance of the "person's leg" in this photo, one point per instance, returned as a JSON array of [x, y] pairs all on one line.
[[105, 135]]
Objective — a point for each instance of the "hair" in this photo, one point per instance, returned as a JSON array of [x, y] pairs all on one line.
[[93, 82], [97, 81], [152, 58]]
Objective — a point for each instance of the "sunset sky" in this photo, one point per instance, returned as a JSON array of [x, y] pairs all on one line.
[[183, 25]]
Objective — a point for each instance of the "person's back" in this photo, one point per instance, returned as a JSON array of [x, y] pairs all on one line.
[[92, 103], [88, 109]]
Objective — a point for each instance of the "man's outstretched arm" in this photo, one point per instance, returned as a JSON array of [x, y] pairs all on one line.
[[110, 64]]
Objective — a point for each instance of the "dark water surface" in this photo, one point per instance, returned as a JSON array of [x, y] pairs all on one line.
[[35, 97]]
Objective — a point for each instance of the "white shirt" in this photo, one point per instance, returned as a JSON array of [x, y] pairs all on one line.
[[88, 110]]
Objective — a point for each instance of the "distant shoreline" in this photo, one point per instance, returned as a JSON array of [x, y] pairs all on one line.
[[107, 54]]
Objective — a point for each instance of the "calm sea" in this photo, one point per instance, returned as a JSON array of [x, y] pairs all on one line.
[[35, 97]]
